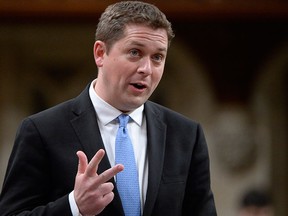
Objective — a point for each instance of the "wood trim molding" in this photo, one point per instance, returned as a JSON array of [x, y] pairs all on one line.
[[16, 10]]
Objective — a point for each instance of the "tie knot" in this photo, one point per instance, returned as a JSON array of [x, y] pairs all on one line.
[[123, 120]]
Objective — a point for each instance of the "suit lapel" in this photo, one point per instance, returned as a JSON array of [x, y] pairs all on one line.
[[156, 131], [87, 130], [85, 125], [88, 133]]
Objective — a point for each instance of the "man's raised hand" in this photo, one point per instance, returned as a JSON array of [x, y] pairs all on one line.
[[92, 192]]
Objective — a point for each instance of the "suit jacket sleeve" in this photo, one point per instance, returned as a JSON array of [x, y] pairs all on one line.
[[28, 181], [43, 163], [199, 199]]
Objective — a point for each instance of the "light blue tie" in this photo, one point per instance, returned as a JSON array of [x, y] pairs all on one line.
[[127, 180]]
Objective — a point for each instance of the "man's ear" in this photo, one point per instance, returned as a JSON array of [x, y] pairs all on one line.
[[99, 52]]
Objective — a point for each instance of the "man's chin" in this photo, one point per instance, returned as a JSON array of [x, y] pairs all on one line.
[[130, 106]]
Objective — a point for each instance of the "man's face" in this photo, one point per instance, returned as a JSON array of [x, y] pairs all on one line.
[[131, 70]]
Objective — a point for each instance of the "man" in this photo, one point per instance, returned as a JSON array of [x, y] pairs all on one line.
[[171, 155], [256, 203]]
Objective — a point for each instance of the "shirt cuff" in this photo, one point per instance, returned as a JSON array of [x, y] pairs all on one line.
[[73, 205]]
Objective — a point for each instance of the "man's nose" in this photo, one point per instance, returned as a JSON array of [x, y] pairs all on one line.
[[145, 66]]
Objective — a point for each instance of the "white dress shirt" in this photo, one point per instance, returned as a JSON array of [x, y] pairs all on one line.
[[108, 125]]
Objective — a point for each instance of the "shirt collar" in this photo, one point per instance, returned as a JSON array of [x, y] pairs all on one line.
[[107, 113]]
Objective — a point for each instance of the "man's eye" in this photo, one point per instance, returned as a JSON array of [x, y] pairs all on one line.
[[134, 52], [158, 58]]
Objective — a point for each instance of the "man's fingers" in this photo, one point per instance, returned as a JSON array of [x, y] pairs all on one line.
[[93, 164], [90, 169], [107, 198], [106, 188], [82, 162], [110, 173]]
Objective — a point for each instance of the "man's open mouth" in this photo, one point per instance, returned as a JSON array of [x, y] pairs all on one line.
[[138, 85]]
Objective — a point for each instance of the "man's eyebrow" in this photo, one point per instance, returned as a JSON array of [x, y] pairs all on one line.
[[136, 43]]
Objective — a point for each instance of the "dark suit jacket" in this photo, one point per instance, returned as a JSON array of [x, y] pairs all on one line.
[[43, 164]]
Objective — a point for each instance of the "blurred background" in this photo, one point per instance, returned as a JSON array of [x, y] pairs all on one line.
[[227, 68]]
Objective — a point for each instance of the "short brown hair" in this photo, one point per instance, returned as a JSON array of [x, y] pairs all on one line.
[[114, 19]]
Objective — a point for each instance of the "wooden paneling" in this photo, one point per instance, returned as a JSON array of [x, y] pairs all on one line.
[[183, 9]]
